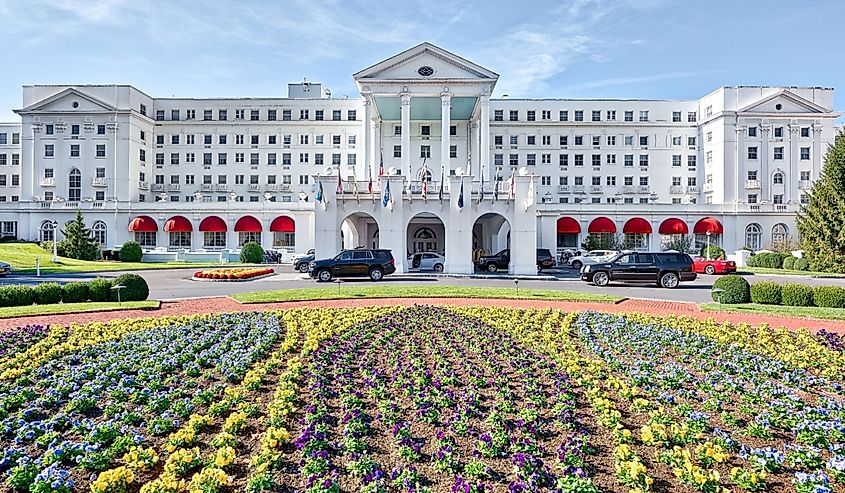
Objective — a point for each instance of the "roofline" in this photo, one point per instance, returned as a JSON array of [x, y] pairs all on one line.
[[435, 47], [70, 86]]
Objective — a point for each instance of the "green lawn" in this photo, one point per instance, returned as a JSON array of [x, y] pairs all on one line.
[[59, 308], [794, 311], [766, 270], [22, 257], [349, 291]]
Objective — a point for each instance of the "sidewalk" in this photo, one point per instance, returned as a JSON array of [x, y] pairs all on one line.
[[226, 304]]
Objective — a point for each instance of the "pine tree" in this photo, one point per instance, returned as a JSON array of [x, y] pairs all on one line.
[[821, 223], [79, 241]]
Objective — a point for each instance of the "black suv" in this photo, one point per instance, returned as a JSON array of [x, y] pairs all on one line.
[[374, 264], [667, 269], [492, 263]]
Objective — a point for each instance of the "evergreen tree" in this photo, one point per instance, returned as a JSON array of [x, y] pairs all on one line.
[[821, 223], [79, 242]]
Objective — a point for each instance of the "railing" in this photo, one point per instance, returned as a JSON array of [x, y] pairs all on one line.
[[708, 187], [284, 187], [158, 187], [254, 187], [693, 189], [643, 189], [563, 189], [71, 205], [206, 187], [596, 189], [99, 182], [805, 184], [272, 187], [48, 182], [142, 185], [578, 189], [97, 205], [752, 184], [174, 187], [676, 189], [220, 187]]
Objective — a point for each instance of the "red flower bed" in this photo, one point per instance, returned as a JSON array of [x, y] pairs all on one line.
[[233, 274]]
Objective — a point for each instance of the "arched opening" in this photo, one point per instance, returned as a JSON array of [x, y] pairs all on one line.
[[707, 225], [568, 230], [145, 229], [753, 236], [178, 229], [74, 185], [780, 234], [360, 230], [213, 231], [673, 235], [426, 240], [47, 232], [99, 230], [602, 232], [284, 233], [248, 229], [777, 178], [491, 235], [636, 232]]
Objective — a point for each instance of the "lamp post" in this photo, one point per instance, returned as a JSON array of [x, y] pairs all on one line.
[[55, 225], [708, 244]]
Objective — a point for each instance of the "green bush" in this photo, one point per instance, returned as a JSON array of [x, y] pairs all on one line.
[[15, 295], [829, 296], [135, 289], [796, 295], [131, 252], [75, 292], [47, 293], [769, 260], [753, 261], [801, 264], [735, 290], [99, 289], [252, 253], [789, 262], [714, 252], [767, 293]]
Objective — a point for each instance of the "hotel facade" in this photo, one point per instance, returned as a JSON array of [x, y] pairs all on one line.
[[423, 160]]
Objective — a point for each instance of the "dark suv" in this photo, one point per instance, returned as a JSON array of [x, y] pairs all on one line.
[[374, 264], [667, 269], [492, 263]]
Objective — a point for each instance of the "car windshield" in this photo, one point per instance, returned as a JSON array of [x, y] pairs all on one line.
[[502, 253]]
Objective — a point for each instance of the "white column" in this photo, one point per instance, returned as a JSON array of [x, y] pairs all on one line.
[[368, 136], [475, 153], [817, 151], [376, 150], [406, 134], [445, 123], [741, 156], [790, 180], [765, 179], [484, 154]]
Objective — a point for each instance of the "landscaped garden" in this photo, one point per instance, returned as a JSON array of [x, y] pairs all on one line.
[[419, 399]]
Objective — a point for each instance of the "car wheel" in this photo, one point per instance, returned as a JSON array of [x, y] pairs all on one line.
[[709, 269], [302, 267], [577, 264], [438, 267], [492, 268], [376, 274], [324, 275], [601, 279], [669, 280]]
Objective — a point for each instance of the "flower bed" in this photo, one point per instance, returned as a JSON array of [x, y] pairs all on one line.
[[421, 399], [237, 274]]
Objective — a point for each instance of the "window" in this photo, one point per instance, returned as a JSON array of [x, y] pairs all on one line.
[[579, 116], [752, 198], [596, 141], [643, 116], [547, 115], [101, 150], [74, 184], [579, 160], [676, 141], [498, 115], [676, 159], [708, 157], [596, 116], [531, 116], [190, 114], [610, 181], [425, 129], [564, 116], [352, 115], [336, 115], [74, 150], [303, 114], [628, 181], [691, 141], [49, 130], [610, 115], [643, 141], [691, 160], [222, 158], [629, 160], [805, 131], [777, 198], [752, 152], [159, 115], [207, 115], [709, 136], [221, 139], [778, 153], [498, 159], [778, 132], [545, 180], [425, 152], [174, 139], [530, 140], [644, 181], [286, 117], [643, 159], [611, 140], [752, 175], [547, 140], [513, 159], [676, 181], [453, 152], [805, 153], [805, 199], [271, 159], [101, 130], [676, 116], [611, 159], [692, 117], [318, 115], [143, 109], [753, 236], [513, 115], [303, 179], [596, 159], [253, 115], [563, 159], [752, 131], [629, 140], [777, 178], [579, 180], [253, 158], [49, 150]]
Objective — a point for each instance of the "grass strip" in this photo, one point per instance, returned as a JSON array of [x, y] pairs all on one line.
[[64, 308], [790, 311]]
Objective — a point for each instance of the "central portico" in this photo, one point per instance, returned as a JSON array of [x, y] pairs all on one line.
[[426, 123]]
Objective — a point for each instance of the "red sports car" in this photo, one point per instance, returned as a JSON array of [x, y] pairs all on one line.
[[702, 265]]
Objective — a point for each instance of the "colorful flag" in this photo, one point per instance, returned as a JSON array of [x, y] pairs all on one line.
[[385, 197], [512, 186], [320, 198], [380, 168], [339, 183], [461, 196]]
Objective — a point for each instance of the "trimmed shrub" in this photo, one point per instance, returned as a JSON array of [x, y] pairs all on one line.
[[47, 293], [15, 295], [796, 295], [131, 252], [715, 252], [99, 289], [766, 293], [829, 296], [769, 260], [789, 262], [75, 292], [735, 290], [801, 264], [135, 289], [252, 253]]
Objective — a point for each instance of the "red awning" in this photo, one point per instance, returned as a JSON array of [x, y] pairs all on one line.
[[178, 224], [282, 224], [143, 224], [602, 225], [568, 225], [637, 225], [213, 224], [248, 224], [710, 224], [673, 226]]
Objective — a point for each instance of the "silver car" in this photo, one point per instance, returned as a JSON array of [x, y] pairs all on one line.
[[427, 261], [5, 269], [591, 257]]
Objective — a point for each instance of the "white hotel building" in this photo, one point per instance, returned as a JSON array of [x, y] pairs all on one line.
[[190, 178]]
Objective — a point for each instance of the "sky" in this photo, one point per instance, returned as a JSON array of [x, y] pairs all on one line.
[[659, 49]]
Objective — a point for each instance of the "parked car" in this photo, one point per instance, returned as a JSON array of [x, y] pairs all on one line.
[[301, 262], [591, 257], [492, 263], [427, 261], [5, 269], [363, 262], [667, 269], [711, 266]]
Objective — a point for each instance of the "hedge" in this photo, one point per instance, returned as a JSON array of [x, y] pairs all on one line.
[[735, 289], [15, 296], [99, 289], [252, 253], [796, 295], [131, 252], [829, 296], [47, 293], [801, 264], [766, 293], [789, 262], [75, 292], [134, 288]]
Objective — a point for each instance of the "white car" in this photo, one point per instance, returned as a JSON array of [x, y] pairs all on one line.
[[427, 261], [591, 257]]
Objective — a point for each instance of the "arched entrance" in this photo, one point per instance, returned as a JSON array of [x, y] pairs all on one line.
[[359, 230], [426, 242], [491, 235]]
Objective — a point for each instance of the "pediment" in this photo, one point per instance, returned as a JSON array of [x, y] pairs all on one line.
[[409, 65], [70, 100], [783, 102]]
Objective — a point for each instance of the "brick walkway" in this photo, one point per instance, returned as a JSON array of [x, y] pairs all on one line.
[[225, 304]]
